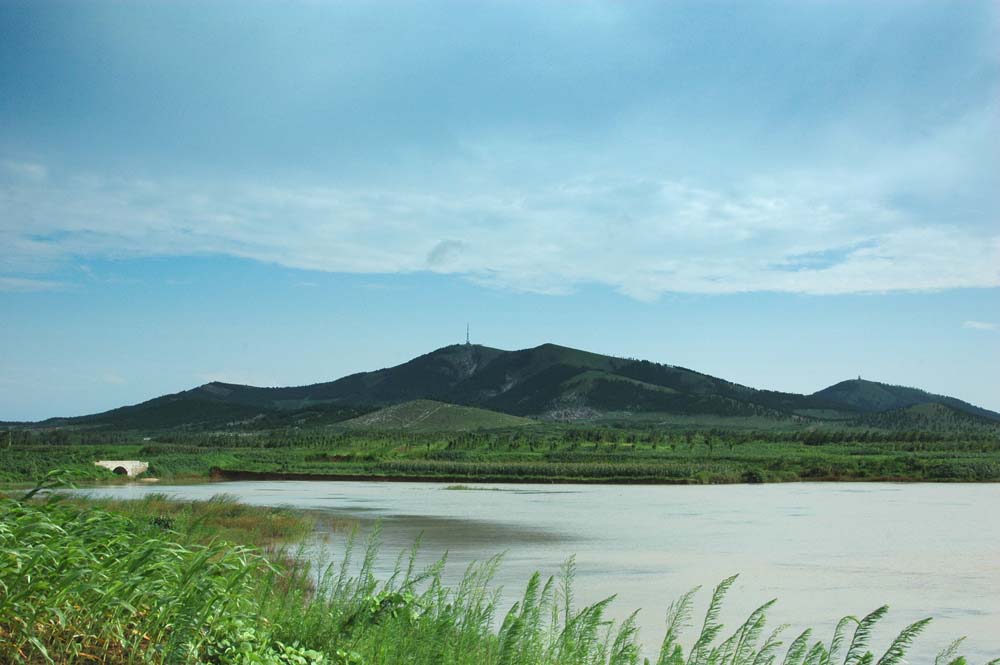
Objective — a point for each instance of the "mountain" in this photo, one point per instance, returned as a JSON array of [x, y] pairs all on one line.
[[547, 381], [870, 396], [424, 415], [928, 417], [192, 410]]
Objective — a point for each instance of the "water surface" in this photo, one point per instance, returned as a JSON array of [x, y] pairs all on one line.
[[824, 550]]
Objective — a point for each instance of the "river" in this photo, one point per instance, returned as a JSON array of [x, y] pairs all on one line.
[[823, 549]]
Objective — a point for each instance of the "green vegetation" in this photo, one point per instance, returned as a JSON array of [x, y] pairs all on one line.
[[424, 415], [219, 518], [80, 584], [543, 453], [85, 585]]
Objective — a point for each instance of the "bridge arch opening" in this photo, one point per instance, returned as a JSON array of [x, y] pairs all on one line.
[[124, 467]]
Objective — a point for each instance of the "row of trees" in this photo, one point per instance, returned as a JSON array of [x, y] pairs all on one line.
[[530, 438]]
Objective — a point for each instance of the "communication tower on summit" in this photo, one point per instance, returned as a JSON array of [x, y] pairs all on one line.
[[466, 334]]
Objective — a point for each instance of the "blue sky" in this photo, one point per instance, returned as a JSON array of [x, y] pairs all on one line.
[[785, 195]]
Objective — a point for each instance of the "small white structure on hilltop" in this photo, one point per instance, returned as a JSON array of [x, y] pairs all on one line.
[[130, 468]]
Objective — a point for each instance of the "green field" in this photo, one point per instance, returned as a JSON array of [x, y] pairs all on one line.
[[543, 453]]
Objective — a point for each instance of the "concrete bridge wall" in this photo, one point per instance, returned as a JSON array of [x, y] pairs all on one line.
[[124, 467]]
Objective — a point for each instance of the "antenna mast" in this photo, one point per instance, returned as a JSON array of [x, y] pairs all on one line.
[[466, 334]]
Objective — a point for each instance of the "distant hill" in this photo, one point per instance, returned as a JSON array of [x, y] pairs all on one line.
[[548, 382], [870, 396], [430, 416], [928, 417]]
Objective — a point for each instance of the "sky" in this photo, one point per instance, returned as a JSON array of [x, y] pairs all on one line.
[[783, 194]]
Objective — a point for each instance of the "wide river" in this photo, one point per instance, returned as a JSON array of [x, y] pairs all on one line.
[[824, 550]]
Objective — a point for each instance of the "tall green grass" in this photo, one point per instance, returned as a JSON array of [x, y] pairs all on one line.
[[91, 586], [84, 585], [220, 518]]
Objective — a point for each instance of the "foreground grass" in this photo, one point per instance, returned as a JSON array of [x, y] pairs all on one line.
[[80, 584]]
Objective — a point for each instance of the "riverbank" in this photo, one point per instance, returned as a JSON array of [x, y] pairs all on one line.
[[152, 594], [216, 474], [221, 518]]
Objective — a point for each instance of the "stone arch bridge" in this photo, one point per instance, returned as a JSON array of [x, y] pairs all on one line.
[[123, 467]]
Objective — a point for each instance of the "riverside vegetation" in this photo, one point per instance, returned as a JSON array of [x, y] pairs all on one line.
[[146, 582], [540, 453]]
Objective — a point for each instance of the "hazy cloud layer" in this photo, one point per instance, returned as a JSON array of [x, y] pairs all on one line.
[[643, 237], [650, 147]]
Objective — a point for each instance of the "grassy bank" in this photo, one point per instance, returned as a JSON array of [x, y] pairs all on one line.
[[533, 454], [107, 583], [220, 518]]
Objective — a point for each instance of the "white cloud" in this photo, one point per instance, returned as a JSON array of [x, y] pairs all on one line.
[[641, 236], [980, 325], [829, 230]]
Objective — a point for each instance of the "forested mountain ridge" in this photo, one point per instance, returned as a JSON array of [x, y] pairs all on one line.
[[547, 381]]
